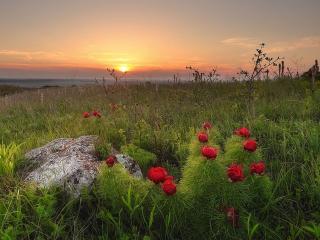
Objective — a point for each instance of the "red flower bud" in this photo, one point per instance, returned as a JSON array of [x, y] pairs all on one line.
[[157, 174], [203, 137], [250, 145], [111, 160], [232, 216], [86, 114], [169, 187], [242, 132], [258, 168], [113, 106], [209, 152], [96, 114], [207, 125], [235, 173]]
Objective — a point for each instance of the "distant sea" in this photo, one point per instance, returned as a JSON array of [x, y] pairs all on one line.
[[38, 83]]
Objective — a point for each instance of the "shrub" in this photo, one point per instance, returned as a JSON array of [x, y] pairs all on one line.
[[210, 195], [206, 201]]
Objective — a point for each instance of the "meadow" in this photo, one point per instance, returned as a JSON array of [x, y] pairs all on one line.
[[157, 125]]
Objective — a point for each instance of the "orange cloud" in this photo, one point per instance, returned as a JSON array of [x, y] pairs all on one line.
[[30, 55], [306, 42], [240, 42], [278, 46]]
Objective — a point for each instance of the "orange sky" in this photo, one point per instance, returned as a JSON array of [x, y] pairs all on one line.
[[154, 39]]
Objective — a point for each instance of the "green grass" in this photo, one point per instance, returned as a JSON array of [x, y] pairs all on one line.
[[159, 126], [8, 158]]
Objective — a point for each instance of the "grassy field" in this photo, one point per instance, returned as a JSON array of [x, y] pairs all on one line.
[[164, 120]]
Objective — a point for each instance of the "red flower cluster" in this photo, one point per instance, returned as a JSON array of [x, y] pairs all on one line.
[[203, 137], [111, 160], [209, 152], [258, 168], [250, 145], [207, 125], [94, 113], [160, 175], [235, 173], [242, 132]]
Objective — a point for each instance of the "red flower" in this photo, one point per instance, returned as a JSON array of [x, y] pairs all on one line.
[[235, 173], [209, 152], [250, 145], [157, 174], [96, 114], [207, 125], [111, 160], [203, 137], [257, 168], [242, 132], [86, 114], [232, 216], [169, 187]]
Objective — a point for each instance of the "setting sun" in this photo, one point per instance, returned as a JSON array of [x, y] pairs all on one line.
[[123, 68]]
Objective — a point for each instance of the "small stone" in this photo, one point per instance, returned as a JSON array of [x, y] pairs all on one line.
[[130, 164]]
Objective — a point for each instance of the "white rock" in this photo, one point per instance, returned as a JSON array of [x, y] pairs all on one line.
[[67, 162], [71, 163]]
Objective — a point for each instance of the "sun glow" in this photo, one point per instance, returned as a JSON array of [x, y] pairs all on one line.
[[123, 68]]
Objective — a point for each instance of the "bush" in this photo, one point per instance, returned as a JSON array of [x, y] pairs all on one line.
[[203, 200]]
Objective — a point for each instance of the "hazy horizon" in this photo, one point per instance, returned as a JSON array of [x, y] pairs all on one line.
[[153, 39]]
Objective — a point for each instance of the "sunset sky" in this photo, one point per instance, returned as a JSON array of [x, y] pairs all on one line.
[[152, 38]]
